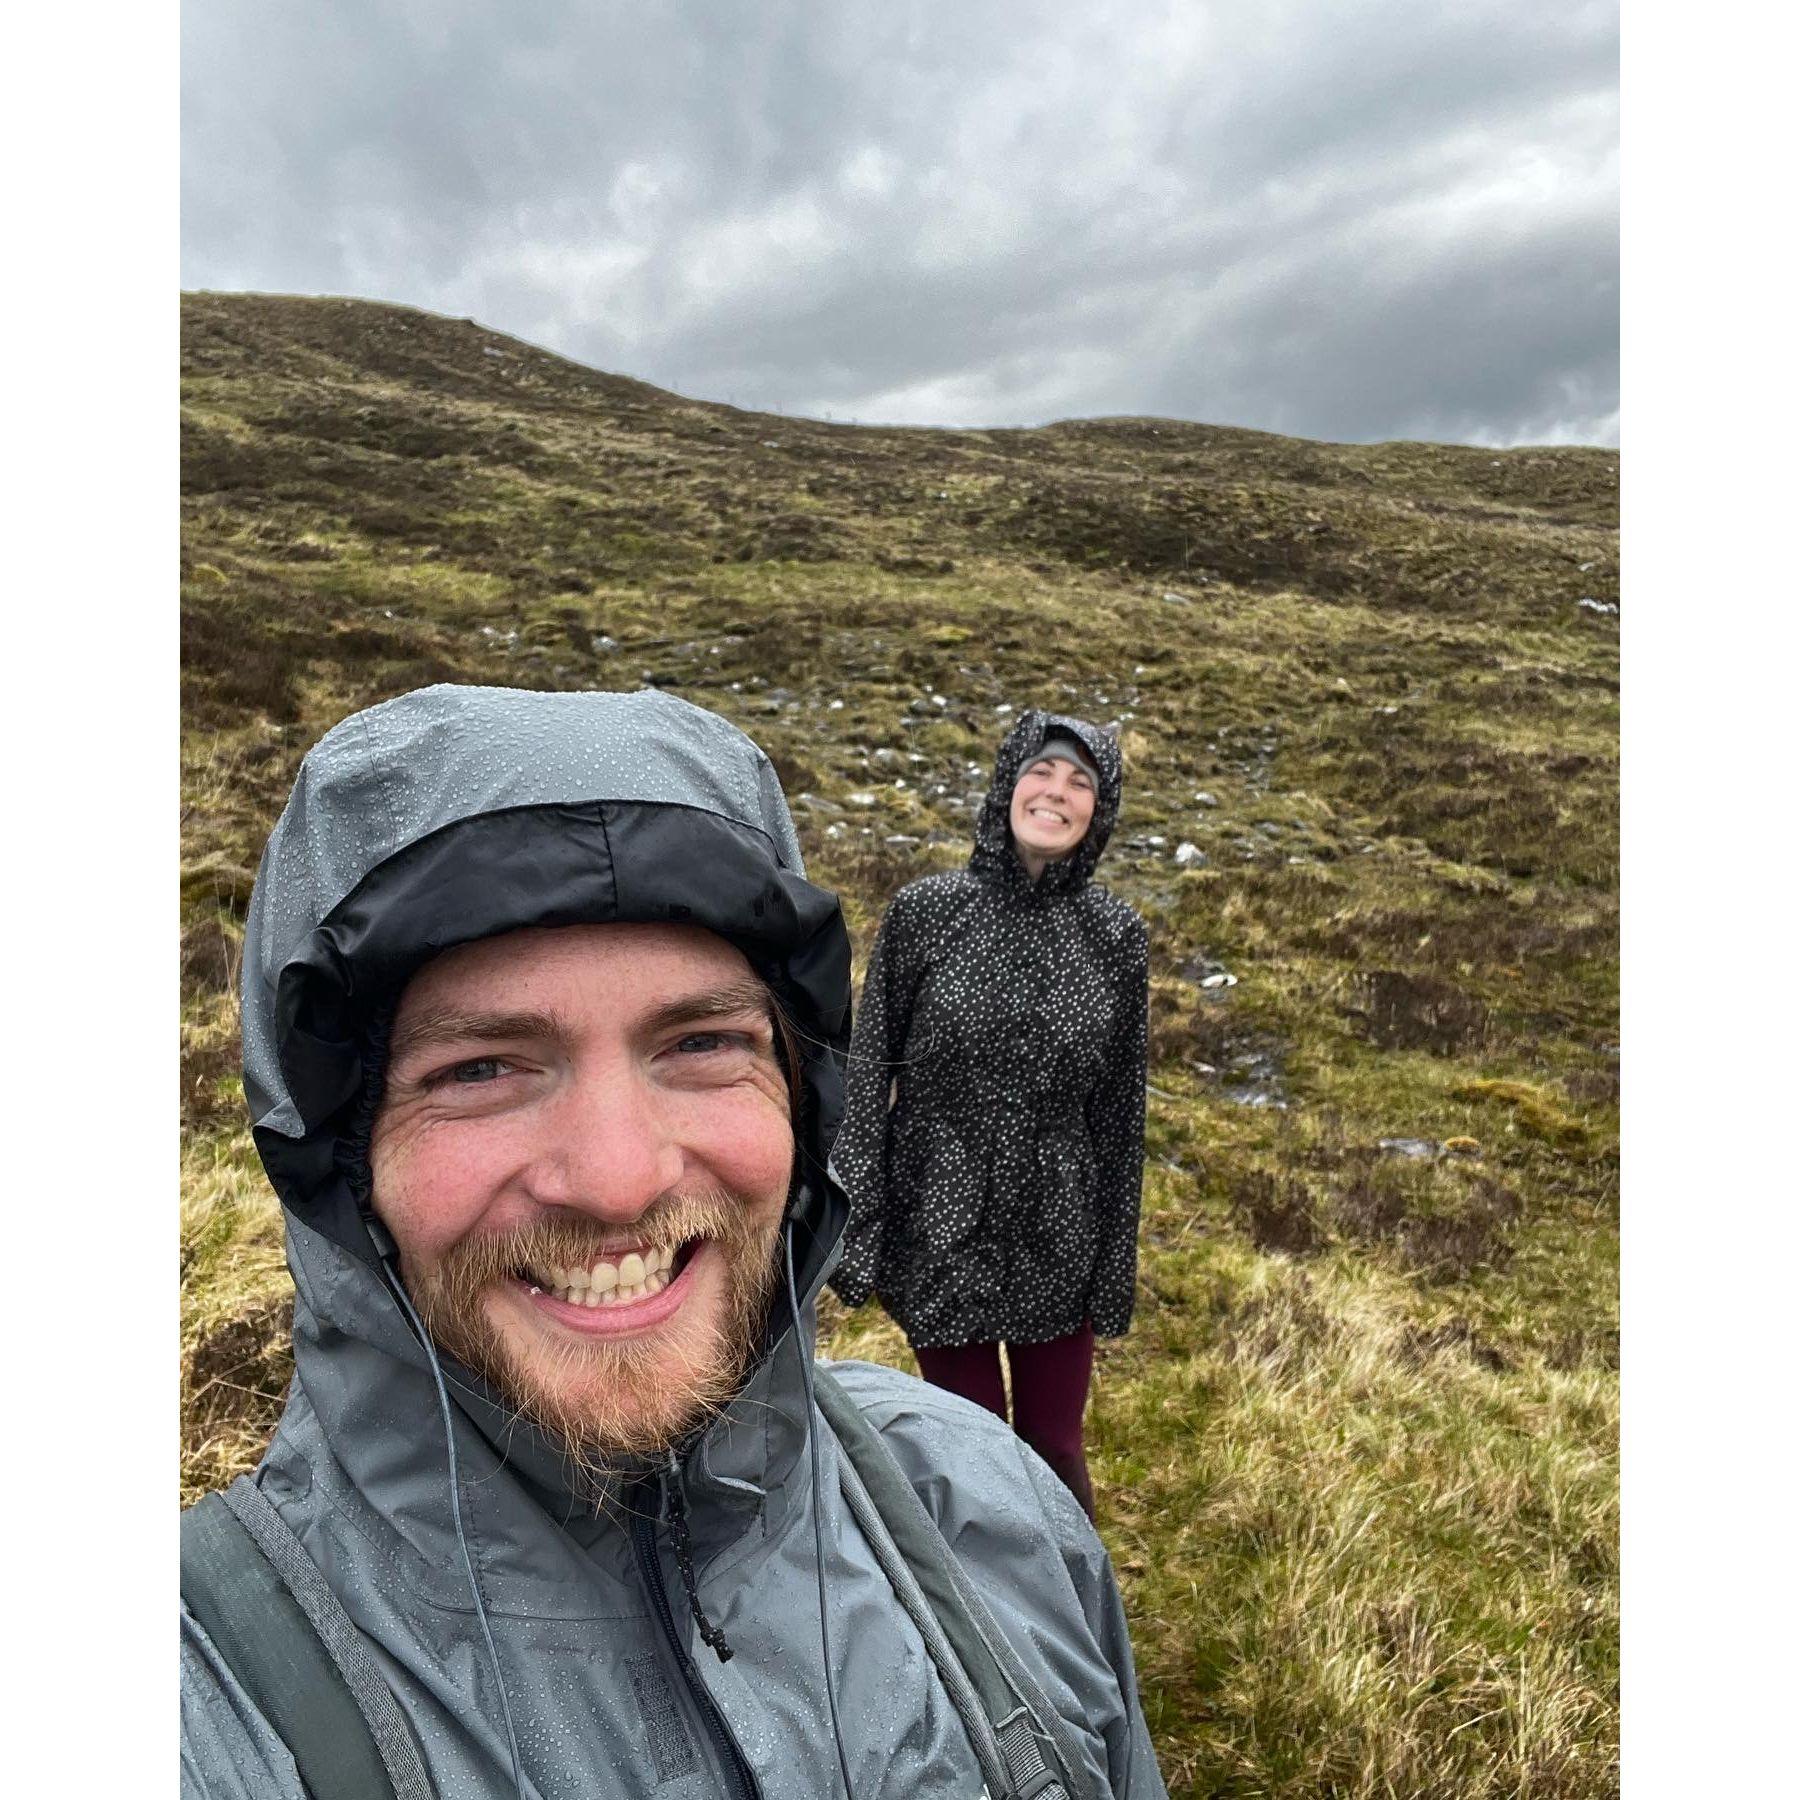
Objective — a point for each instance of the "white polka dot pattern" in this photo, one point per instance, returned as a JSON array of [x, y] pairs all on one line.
[[998, 1198]]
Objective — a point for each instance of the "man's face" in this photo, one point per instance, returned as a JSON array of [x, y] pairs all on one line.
[[583, 1153]]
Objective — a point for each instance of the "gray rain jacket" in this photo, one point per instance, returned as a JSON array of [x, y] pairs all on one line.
[[457, 813]]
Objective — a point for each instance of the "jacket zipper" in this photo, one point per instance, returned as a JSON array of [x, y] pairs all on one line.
[[643, 1537]]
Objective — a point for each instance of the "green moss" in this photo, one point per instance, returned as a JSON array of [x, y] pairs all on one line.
[[1533, 1109]]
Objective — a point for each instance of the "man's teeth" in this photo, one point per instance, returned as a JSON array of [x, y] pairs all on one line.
[[609, 1283]]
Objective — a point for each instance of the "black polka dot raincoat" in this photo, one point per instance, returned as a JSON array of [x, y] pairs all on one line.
[[996, 1198]]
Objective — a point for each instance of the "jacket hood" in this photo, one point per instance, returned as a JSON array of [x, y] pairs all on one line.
[[458, 813], [994, 858]]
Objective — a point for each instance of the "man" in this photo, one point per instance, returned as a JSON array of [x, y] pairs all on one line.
[[542, 1038]]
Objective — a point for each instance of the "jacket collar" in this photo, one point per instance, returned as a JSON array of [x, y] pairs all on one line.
[[367, 1383]]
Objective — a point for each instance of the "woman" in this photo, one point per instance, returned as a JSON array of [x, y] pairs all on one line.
[[993, 1139]]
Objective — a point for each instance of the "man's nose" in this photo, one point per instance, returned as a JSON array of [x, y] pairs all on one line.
[[608, 1152]]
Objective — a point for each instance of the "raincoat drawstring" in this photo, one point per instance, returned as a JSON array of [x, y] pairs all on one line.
[[710, 1633]]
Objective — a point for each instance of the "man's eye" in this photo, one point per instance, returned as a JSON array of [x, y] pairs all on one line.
[[701, 1043], [473, 1073]]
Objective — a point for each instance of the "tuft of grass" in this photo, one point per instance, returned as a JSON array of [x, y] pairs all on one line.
[[1356, 1459], [236, 1314], [1378, 1562], [1533, 1109]]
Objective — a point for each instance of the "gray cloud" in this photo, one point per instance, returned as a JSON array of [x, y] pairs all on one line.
[[1351, 220]]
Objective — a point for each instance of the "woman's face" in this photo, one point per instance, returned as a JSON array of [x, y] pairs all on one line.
[[1052, 807]]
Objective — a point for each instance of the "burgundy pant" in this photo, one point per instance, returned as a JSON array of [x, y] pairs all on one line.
[[1049, 1391]]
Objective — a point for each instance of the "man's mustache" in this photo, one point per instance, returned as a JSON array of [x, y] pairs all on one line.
[[571, 1239]]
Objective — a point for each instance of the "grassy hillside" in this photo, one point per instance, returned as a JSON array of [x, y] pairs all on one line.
[[1356, 1460]]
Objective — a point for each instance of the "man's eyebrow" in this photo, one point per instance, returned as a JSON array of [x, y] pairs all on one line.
[[453, 1025], [450, 1025], [730, 1001]]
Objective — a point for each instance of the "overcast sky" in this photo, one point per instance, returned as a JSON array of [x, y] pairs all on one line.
[[1348, 219]]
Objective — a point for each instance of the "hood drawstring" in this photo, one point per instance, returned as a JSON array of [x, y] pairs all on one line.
[[813, 1419], [390, 1264], [352, 1153], [710, 1634]]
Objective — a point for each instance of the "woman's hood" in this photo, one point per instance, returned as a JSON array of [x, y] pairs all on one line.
[[994, 857]]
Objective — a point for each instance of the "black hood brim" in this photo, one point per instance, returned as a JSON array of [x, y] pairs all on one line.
[[590, 863]]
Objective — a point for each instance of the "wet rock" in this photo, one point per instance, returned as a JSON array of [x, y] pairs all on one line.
[[1413, 1149], [1255, 1079], [1189, 856]]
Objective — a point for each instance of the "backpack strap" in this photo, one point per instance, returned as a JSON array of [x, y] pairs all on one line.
[[286, 1637], [1016, 1736]]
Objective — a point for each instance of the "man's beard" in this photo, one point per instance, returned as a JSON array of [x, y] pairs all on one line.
[[614, 1405]]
